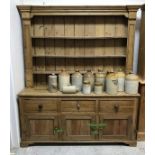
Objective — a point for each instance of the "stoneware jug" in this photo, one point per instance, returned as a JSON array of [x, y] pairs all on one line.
[[131, 83], [121, 80], [89, 76], [64, 79], [52, 83], [111, 83], [100, 77], [76, 79]]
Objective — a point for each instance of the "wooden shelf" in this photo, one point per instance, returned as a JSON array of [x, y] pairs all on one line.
[[105, 56], [78, 37], [56, 72], [45, 92]]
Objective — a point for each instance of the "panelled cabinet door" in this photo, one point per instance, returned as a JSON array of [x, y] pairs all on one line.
[[78, 127], [116, 127], [41, 127]]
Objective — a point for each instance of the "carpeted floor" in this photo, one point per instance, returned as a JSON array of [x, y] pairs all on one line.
[[82, 150]]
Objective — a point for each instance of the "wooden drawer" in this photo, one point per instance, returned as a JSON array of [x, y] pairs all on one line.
[[116, 106], [78, 106], [39, 105]]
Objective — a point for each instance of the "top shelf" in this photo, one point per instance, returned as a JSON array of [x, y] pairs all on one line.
[[78, 37]]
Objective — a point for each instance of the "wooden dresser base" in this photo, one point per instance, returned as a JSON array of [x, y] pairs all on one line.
[[101, 119]]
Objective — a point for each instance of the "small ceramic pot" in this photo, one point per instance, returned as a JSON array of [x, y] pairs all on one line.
[[86, 87], [98, 88]]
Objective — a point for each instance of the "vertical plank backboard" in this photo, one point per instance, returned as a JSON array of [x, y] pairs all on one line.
[[49, 27], [79, 44], [50, 64], [38, 26], [119, 64], [99, 47], [60, 64], [120, 47], [59, 44], [99, 26], [121, 27], [41, 81], [109, 48], [98, 64], [49, 47], [70, 64], [109, 28], [89, 48], [108, 64], [79, 51], [39, 47], [69, 51], [89, 64], [89, 26], [69, 26], [69, 44], [40, 64], [89, 44], [79, 26]]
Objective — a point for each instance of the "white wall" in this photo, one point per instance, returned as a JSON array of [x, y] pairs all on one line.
[[17, 68]]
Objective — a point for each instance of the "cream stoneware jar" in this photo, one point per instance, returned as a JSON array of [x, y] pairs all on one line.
[[52, 83], [121, 81], [64, 79], [131, 83], [86, 87], [69, 89], [111, 83], [100, 77], [76, 79], [89, 76], [98, 88]]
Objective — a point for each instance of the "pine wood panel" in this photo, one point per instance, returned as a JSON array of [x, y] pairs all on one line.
[[117, 127], [38, 29], [109, 29], [39, 105], [121, 26], [49, 26], [78, 106], [41, 127], [77, 127], [99, 26]]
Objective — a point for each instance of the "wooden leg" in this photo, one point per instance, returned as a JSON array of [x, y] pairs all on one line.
[[132, 144], [23, 144]]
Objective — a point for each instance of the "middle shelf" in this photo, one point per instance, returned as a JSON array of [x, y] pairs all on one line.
[[81, 56], [78, 37]]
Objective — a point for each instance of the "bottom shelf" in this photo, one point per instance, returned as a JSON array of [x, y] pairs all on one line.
[[45, 92]]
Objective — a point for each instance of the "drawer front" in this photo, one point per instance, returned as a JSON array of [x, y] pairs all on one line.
[[40, 105], [116, 106], [78, 105]]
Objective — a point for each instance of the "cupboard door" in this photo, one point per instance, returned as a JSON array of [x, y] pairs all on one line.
[[41, 128], [77, 127], [116, 128]]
